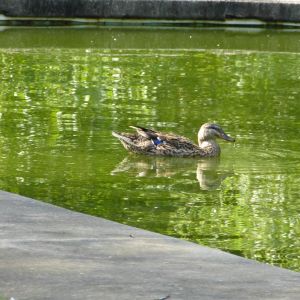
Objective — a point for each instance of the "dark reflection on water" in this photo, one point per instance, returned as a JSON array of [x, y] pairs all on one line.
[[206, 170], [208, 176], [58, 107]]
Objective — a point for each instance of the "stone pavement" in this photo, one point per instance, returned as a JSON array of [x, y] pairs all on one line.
[[47, 252]]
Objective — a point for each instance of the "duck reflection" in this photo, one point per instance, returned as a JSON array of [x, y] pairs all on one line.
[[207, 173]]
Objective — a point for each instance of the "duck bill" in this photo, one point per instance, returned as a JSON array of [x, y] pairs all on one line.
[[226, 137]]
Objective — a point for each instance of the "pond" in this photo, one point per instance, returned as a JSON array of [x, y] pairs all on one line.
[[63, 90]]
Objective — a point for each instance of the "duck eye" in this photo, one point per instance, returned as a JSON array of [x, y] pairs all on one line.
[[214, 127]]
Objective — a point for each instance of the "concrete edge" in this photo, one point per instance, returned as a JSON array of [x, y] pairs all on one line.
[[193, 10], [47, 252]]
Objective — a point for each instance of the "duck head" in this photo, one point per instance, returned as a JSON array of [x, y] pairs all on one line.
[[211, 131]]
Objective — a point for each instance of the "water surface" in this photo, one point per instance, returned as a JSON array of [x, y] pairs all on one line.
[[63, 91]]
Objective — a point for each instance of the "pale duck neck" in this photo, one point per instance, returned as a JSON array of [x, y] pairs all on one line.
[[210, 147]]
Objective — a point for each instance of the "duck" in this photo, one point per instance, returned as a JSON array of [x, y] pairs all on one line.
[[151, 142]]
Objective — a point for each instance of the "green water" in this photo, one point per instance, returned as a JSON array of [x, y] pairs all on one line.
[[63, 91]]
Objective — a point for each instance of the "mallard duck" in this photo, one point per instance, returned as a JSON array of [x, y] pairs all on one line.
[[151, 142]]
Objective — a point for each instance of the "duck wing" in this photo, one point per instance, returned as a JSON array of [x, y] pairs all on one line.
[[148, 141], [161, 138], [176, 145], [149, 134], [177, 141]]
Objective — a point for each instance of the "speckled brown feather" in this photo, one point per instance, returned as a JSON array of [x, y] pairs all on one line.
[[151, 142], [173, 145]]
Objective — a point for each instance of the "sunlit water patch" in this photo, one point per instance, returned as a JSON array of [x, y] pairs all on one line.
[[58, 109]]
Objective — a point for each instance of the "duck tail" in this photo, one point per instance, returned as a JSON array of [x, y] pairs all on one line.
[[123, 138]]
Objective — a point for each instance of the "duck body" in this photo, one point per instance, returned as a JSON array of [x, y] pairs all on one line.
[[151, 142]]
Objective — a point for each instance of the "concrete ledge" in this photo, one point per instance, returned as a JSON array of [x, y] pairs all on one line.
[[47, 252], [265, 10]]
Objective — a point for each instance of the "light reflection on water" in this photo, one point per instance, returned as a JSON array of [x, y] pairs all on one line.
[[58, 110]]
